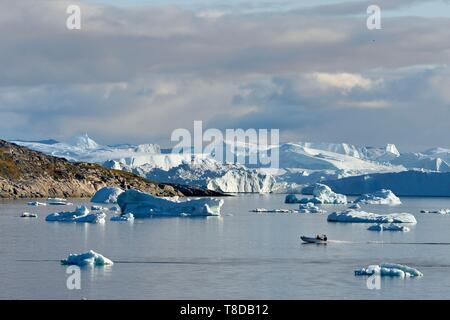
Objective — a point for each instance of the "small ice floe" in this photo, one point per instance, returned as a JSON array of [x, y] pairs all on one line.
[[388, 227], [144, 205], [383, 196], [264, 210], [309, 208], [81, 214], [354, 206], [368, 217], [90, 258], [114, 209], [98, 208], [36, 203], [441, 211], [107, 195], [123, 217], [28, 215], [322, 194], [58, 202], [390, 270]]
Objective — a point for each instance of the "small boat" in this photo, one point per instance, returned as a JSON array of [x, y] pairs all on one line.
[[313, 240]]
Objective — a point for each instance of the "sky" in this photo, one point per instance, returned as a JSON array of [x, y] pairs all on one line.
[[137, 70]]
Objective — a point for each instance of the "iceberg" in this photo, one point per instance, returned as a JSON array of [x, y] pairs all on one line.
[[291, 198], [81, 214], [325, 195], [264, 210], [356, 216], [382, 196], [123, 217], [58, 202], [354, 206], [143, 205], [390, 270], [107, 195], [28, 215], [98, 208], [90, 258], [406, 183], [36, 203], [322, 194], [388, 227], [440, 211], [310, 208]]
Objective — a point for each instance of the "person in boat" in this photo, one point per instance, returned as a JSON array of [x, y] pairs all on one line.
[[323, 237]]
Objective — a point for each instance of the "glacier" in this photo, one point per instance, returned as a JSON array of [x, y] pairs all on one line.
[[81, 214], [382, 196], [357, 216], [389, 269], [90, 258], [348, 169], [107, 195], [144, 205]]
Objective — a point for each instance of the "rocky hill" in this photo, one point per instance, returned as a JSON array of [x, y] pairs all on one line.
[[25, 173]]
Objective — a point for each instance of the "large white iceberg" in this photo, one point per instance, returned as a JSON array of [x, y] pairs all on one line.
[[388, 227], [389, 269], [81, 214], [351, 215], [90, 258], [382, 196], [143, 205], [322, 194], [107, 195]]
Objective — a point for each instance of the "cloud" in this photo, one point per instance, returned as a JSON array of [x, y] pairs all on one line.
[[344, 81], [133, 74]]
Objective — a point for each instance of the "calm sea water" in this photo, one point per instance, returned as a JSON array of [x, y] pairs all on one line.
[[239, 255]]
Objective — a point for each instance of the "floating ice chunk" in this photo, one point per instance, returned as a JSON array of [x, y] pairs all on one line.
[[291, 198], [36, 203], [91, 258], [440, 211], [81, 214], [310, 208], [28, 215], [389, 269], [58, 202], [368, 217], [264, 210], [98, 208], [354, 206], [107, 195], [114, 209], [388, 227], [382, 196], [123, 217], [144, 205]]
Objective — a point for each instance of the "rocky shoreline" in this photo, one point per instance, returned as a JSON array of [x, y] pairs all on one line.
[[25, 173]]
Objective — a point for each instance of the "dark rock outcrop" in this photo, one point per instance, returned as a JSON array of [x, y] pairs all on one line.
[[25, 173]]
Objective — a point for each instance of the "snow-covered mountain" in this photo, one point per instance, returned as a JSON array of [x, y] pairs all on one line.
[[300, 163]]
